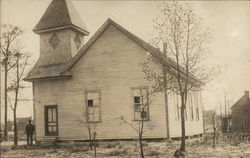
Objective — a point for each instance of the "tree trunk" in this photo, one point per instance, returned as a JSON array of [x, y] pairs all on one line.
[[90, 140], [183, 135], [166, 100], [15, 104], [15, 129], [95, 143], [5, 103], [165, 86], [214, 129], [214, 137], [14, 111], [141, 146]]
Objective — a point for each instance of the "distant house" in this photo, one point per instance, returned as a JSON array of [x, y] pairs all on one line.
[[21, 123], [226, 123], [99, 80], [241, 114]]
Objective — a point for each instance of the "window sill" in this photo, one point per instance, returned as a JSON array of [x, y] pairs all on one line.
[[141, 120], [94, 122]]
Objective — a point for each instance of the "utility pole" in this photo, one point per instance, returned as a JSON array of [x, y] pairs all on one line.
[[249, 75], [220, 111], [225, 105]]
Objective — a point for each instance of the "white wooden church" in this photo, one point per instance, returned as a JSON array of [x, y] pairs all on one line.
[[99, 79]]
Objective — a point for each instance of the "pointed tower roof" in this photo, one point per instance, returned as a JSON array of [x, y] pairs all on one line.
[[60, 14]]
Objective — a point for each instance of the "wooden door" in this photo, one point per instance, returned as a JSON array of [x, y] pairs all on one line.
[[51, 120]]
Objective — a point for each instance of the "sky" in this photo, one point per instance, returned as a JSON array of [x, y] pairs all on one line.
[[228, 20]]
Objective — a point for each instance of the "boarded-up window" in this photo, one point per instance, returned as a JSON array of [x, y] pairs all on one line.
[[93, 106], [140, 103]]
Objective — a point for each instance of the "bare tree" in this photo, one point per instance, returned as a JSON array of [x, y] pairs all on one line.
[[8, 40], [185, 51], [161, 79], [138, 125], [91, 126], [215, 125], [17, 73]]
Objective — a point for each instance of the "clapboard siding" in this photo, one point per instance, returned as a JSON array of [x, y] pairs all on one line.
[[110, 65], [193, 126]]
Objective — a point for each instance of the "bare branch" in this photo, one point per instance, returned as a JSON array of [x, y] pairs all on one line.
[[11, 106], [130, 124]]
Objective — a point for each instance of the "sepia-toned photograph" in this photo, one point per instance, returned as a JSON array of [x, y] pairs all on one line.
[[124, 79]]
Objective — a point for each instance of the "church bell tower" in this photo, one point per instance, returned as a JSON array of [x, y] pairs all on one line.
[[61, 32]]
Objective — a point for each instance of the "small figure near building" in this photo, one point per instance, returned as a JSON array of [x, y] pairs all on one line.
[[29, 128]]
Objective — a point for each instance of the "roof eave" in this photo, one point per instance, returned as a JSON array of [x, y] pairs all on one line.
[[40, 31], [48, 78]]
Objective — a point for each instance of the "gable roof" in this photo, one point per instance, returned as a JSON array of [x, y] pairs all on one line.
[[244, 100], [149, 48], [65, 71], [60, 14], [99, 32]]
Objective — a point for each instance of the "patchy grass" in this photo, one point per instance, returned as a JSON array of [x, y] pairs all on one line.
[[196, 148]]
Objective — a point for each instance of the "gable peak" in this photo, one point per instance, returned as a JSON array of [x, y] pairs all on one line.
[[60, 14]]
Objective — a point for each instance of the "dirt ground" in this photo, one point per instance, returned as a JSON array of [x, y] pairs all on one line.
[[196, 148]]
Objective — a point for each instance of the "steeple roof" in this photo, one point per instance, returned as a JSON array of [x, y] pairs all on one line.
[[59, 15]]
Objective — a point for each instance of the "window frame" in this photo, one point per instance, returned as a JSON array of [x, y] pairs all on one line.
[[87, 107], [133, 103]]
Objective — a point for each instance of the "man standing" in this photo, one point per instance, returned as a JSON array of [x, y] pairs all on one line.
[[29, 131]]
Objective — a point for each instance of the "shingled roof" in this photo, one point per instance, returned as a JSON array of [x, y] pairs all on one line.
[[67, 67], [50, 71], [60, 14]]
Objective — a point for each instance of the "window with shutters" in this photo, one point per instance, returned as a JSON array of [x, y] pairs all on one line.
[[93, 103], [140, 103]]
